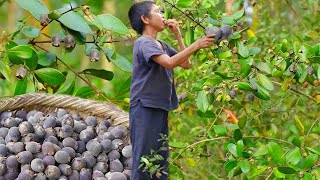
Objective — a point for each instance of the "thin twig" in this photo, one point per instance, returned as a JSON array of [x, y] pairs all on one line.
[[298, 92], [188, 16], [228, 137], [313, 124], [297, 14]]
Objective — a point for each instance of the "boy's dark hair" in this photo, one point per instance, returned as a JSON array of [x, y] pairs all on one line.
[[135, 13]]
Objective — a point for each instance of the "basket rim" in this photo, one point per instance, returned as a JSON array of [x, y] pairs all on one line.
[[99, 109]]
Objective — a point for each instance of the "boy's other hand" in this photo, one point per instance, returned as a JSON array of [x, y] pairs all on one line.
[[173, 26]]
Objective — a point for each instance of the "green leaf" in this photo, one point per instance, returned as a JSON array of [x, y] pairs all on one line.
[[122, 63], [261, 150], [101, 73], [220, 130], [50, 76], [278, 174], [296, 141], [303, 76], [230, 165], [245, 166], [75, 22], [276, 153], [252, 40], [112, 23], [316, 151], [202, 101], [264, 67], [85, 92], [265, 82], [125, 87], [229, 20], [35, 7], [293, 156], [245, 86], [307, 176], [5, 69], [239, 148], [237, 135], [287, 170], [22, 51], [237, 15], [254, 51], [299, 124], [31, 31], [310, 161], [184, 3], [177, 144], [225, 55], [33, 61], [46, 58], [79, 37], [233, 149], [243, 50], [118, 60], [21, 87], [211, 21], [68, 86]]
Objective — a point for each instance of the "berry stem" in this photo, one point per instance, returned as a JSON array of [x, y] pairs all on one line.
[[174, 6]]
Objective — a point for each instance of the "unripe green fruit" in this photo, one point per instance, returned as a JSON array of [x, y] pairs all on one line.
[[69, 41], [56, 40], [44, 20], [54, 15]]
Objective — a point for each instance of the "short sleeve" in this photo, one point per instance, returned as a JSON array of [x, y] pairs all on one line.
[[171, 51], [149, 49]]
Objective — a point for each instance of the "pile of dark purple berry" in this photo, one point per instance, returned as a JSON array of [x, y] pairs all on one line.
[[62, 145]]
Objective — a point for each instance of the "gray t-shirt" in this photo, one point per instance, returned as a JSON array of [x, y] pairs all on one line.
[[152, 83]]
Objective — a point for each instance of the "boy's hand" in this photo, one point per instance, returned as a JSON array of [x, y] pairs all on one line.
[[173, 26], [206, 41]]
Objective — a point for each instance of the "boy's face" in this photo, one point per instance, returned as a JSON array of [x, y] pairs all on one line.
[[156, 18]]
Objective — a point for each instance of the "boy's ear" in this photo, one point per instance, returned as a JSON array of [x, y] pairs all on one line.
[[144, 19]]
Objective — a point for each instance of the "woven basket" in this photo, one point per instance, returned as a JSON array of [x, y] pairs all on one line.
[[50, 103]]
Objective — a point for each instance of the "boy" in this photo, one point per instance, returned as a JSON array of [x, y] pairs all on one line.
[[152, 92]]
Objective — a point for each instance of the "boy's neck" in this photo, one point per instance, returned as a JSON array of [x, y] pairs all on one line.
[[150, 34]]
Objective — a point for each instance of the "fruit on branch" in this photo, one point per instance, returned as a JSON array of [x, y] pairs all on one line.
[[292, 68], [21, 72], [216, 31], [232, 94], [86, 10], [94, 55], [305, 84], [44, 20], [316, 83], [54, 15], [221, 33], [56, 40], [251, 97], [69, 41], [226, 31], [310, 70], [235, 50]]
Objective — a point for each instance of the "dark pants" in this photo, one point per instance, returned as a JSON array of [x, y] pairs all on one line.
[[146, 125]]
